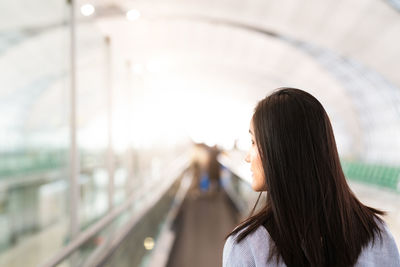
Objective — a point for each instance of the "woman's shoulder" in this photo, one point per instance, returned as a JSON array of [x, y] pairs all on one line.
[[259, 236], [382, 251], [253, 250]]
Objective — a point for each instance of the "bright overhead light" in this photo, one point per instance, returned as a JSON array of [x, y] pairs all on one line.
[[87, 10], [133, 14]]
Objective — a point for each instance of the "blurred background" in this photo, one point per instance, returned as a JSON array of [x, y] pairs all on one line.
[[124, 124]]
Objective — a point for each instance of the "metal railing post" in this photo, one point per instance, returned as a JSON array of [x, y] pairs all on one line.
[[110, 152], [74, 156]]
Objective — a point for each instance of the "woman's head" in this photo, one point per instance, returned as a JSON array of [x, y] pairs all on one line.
[[310, 212], [292, 134]]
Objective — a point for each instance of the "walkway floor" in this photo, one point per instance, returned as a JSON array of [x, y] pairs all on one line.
[[204, 222]]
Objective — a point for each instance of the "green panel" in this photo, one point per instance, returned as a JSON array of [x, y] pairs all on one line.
[[381, 175], [19, 163]]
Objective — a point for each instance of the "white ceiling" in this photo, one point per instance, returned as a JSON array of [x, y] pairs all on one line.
[[344, 52]]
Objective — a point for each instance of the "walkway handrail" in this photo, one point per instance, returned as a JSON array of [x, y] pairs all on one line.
[[244, 175], [175, 170], [167, 237]]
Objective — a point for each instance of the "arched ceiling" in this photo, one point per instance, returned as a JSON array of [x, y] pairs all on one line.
[[344, 52]]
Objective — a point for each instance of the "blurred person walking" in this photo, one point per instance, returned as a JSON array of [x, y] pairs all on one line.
[[214, 169]]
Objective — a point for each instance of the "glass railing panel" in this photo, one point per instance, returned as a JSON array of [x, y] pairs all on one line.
[[34, 143], [140, 227]]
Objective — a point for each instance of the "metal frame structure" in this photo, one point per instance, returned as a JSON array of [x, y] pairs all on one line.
[[179, 166]]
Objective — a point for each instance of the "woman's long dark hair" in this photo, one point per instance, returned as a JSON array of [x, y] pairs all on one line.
[[311, 214]]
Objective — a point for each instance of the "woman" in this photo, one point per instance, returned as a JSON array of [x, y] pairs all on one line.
[[311, 217]]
